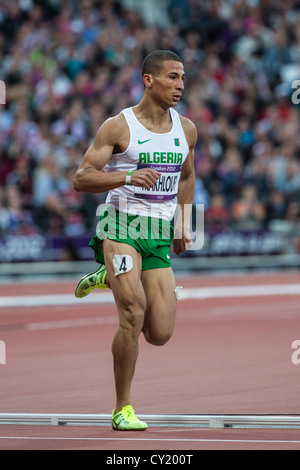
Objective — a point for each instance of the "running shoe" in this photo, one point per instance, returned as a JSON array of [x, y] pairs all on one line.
[[88, 283], [126, 420]]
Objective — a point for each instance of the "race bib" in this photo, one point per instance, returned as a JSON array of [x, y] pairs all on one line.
[[166, 188]]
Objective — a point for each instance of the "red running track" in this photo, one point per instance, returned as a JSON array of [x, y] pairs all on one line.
[[227, 356]]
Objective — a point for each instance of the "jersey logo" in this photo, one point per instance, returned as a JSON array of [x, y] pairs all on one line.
[[179, 142], [141, 142]]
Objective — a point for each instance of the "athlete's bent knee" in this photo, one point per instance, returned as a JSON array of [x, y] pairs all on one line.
[[157, 339]]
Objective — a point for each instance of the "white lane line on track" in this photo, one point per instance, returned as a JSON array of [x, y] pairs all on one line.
[[113, 319], [99, 439], [270, 308], [72, 323], [187, 294]]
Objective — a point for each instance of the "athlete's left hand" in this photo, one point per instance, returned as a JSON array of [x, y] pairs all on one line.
[[182, 241]]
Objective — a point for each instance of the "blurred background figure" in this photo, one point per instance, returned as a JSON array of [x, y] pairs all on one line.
[[248, 212]]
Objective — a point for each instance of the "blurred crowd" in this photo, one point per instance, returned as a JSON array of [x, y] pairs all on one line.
[[69, 65]]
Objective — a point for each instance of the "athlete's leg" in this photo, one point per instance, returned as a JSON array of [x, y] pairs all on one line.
[[124, 265], [159, 286]]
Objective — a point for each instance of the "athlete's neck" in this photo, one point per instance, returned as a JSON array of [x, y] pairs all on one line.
[[153, 117]]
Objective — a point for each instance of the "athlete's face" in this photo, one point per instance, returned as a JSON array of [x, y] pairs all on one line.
[[167, 87]]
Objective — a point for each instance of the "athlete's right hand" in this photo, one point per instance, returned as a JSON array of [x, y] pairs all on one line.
[[145, 178]]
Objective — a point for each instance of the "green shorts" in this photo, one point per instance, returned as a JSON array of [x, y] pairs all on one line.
[[151, 237]]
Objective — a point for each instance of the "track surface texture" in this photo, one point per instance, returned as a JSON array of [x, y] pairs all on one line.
[[231, 354]]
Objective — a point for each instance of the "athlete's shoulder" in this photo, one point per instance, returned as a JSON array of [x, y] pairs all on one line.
[[112, 129], [190, 130], [117, 122]]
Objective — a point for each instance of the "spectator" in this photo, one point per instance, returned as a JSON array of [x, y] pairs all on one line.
[[248, 212], [288, 180], [231, 175], [4, 216], [217, 217], [153, 13], [19, 220], [276, 208]]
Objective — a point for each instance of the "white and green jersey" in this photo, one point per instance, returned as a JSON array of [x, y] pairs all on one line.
[[165, 153]]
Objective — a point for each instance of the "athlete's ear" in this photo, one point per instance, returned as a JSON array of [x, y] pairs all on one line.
[[147, 78]]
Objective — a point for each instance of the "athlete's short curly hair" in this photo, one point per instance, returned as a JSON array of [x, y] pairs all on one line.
[[153, 61]]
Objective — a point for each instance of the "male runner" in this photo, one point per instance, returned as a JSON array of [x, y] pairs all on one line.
[[144, 158]]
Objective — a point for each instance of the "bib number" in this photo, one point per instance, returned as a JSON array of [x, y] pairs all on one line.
[[122, 264]]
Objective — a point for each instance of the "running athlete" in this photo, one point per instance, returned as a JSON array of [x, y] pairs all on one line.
[[144, 159]]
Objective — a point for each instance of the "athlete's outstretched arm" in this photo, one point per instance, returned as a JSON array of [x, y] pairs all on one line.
[[91, 178], [186, 192]]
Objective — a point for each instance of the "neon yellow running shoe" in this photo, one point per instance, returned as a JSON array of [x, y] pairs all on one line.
[[126, 420], [95, 280]]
